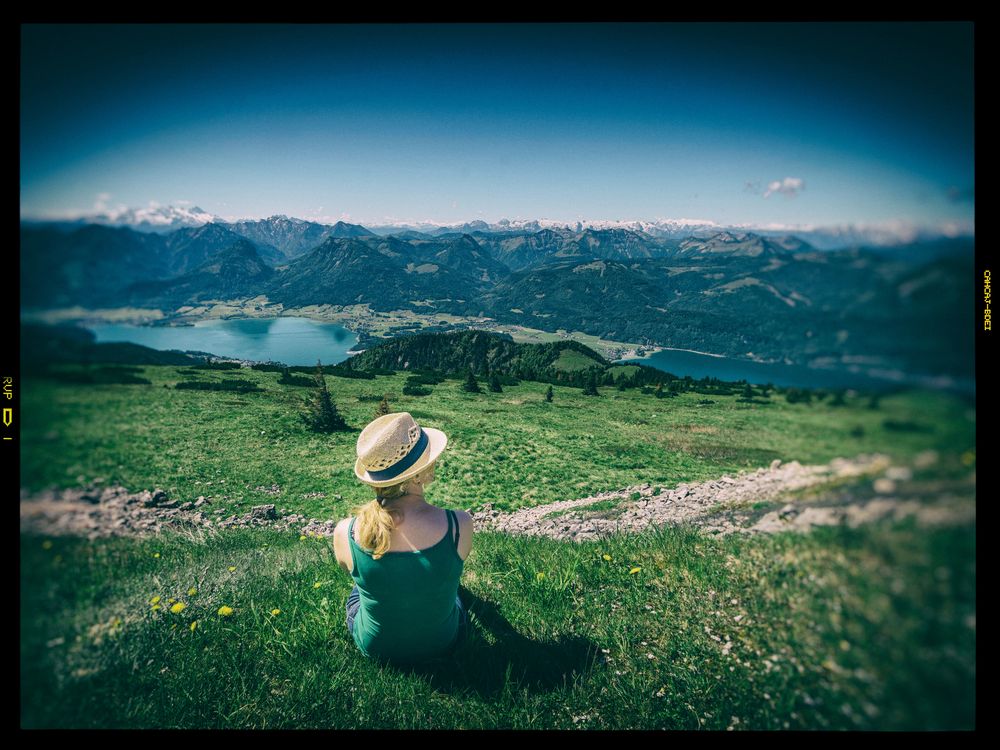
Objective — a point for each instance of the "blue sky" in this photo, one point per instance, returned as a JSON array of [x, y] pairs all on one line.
[[792, 124]]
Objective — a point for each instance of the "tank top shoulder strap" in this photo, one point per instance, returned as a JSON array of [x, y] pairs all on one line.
[[350, 532], [351, 545], [453, 520]]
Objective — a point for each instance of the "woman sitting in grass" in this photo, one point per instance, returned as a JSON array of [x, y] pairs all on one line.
[[405, 555]]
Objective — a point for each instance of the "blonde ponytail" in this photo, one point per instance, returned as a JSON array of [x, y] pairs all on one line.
[[375, 521]]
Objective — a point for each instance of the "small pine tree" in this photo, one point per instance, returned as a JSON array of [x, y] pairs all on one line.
[[321, 413], [286, 376], [548, 394], [495, 384], [621, 384], [747, 393], [383, 407], [471, 385], [659, 390], [591, 388]]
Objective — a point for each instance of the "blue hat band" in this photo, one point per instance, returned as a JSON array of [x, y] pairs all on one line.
[[404, 463]]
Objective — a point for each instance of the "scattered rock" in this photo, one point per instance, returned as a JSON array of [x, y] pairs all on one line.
[[721, 506], [264, 512], [883, 485]]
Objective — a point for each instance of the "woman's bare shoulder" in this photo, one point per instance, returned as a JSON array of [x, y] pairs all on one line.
[[340, 533], [465, 530]]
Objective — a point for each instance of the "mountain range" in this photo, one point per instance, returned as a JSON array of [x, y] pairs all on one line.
[[739, 294], [293, 236]]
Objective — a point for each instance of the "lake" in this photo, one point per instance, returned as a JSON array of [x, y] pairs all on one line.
[[294, 341], [681, 362]]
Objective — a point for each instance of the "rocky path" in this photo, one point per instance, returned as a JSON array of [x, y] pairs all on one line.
[[852, 491]]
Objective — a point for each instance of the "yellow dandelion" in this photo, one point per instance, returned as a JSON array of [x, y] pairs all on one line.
[[154, 600], [47, 544], [539, 575], [192, 591], [232, 568], [155, 607], [607, 557], [118, 622], [225, 611], [634, 571], [171, 600], [156, 554], [194, 625], [302, 537], [317, 585], [275, 612], [178, 608]]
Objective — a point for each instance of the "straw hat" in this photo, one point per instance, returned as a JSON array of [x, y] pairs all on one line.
[[393, 448]]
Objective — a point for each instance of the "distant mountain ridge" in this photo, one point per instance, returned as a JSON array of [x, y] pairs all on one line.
[[293, 237], [163, 219], [734, 293], [235, 272]]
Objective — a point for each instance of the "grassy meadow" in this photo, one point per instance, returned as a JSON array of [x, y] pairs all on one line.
[[868, 628]]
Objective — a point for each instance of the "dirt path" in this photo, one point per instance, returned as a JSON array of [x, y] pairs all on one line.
[[852, 491]]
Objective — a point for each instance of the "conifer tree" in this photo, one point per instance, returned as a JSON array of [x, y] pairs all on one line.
[[383, 407], [591, 388], [659, 390], [471, 385], [495, 384], [747, 393], [321, 413], [548, 394]]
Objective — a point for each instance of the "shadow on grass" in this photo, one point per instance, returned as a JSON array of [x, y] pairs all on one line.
[[513, 662]]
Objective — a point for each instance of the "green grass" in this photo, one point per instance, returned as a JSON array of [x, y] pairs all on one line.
[[511, 449], [872, 628], [840, 629], [571, 360]]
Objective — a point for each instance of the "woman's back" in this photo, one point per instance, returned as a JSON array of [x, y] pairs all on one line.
[[408, 603], [416, 529]]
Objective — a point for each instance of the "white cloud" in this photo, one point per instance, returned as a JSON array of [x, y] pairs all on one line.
[[790, 186]]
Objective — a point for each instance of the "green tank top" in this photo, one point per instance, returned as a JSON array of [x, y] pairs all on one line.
[[407, 609]]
